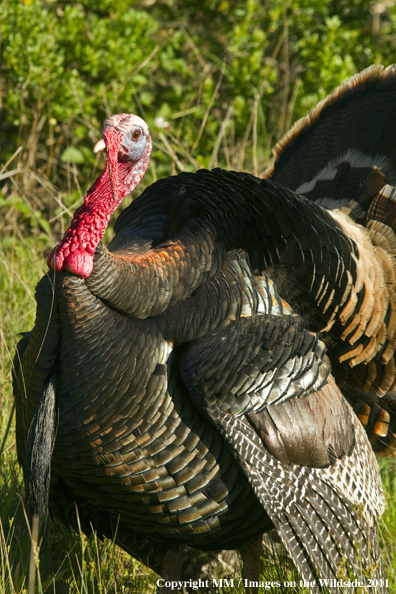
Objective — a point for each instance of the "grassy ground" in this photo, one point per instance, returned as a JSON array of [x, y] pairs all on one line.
[[62, 562]]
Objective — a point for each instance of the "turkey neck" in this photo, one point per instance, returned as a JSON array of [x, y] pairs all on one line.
[[103, 198]]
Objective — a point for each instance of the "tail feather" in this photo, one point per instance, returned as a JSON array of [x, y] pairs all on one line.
[[359, 114]]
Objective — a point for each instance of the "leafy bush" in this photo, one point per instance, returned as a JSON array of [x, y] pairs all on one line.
[[240, 71]]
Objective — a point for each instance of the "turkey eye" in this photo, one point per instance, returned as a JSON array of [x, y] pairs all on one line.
[[135, 135]]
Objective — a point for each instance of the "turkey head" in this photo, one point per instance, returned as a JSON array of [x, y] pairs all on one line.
[[128, 144]]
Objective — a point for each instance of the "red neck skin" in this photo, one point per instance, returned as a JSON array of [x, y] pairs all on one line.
[[75, 251]]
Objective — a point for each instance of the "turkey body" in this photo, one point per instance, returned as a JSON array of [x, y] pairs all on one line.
[[191, 405], [130, 440]]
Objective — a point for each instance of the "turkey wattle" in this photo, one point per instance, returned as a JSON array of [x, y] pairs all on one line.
[[128, 145], [189, 402]]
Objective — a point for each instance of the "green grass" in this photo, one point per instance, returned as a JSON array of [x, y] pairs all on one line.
[[388, 522]]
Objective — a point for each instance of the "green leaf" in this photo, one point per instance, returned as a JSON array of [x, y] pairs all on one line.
[[72, 155]]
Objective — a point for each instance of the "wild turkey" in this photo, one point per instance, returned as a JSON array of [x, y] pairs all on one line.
[[189, 402]]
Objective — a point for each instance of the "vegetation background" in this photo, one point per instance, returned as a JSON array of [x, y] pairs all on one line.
[[219, 82]]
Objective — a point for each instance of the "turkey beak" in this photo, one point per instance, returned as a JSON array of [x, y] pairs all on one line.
[[99, 146]]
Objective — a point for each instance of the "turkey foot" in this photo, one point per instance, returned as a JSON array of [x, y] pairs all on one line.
[[171, 569]]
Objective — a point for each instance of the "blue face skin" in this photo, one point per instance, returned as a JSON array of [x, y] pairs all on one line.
[[133, 145]]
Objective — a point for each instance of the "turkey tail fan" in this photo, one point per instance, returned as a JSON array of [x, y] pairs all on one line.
[[378, 417], [346, 146], [343, 157], [39, 449], [382, 210]]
